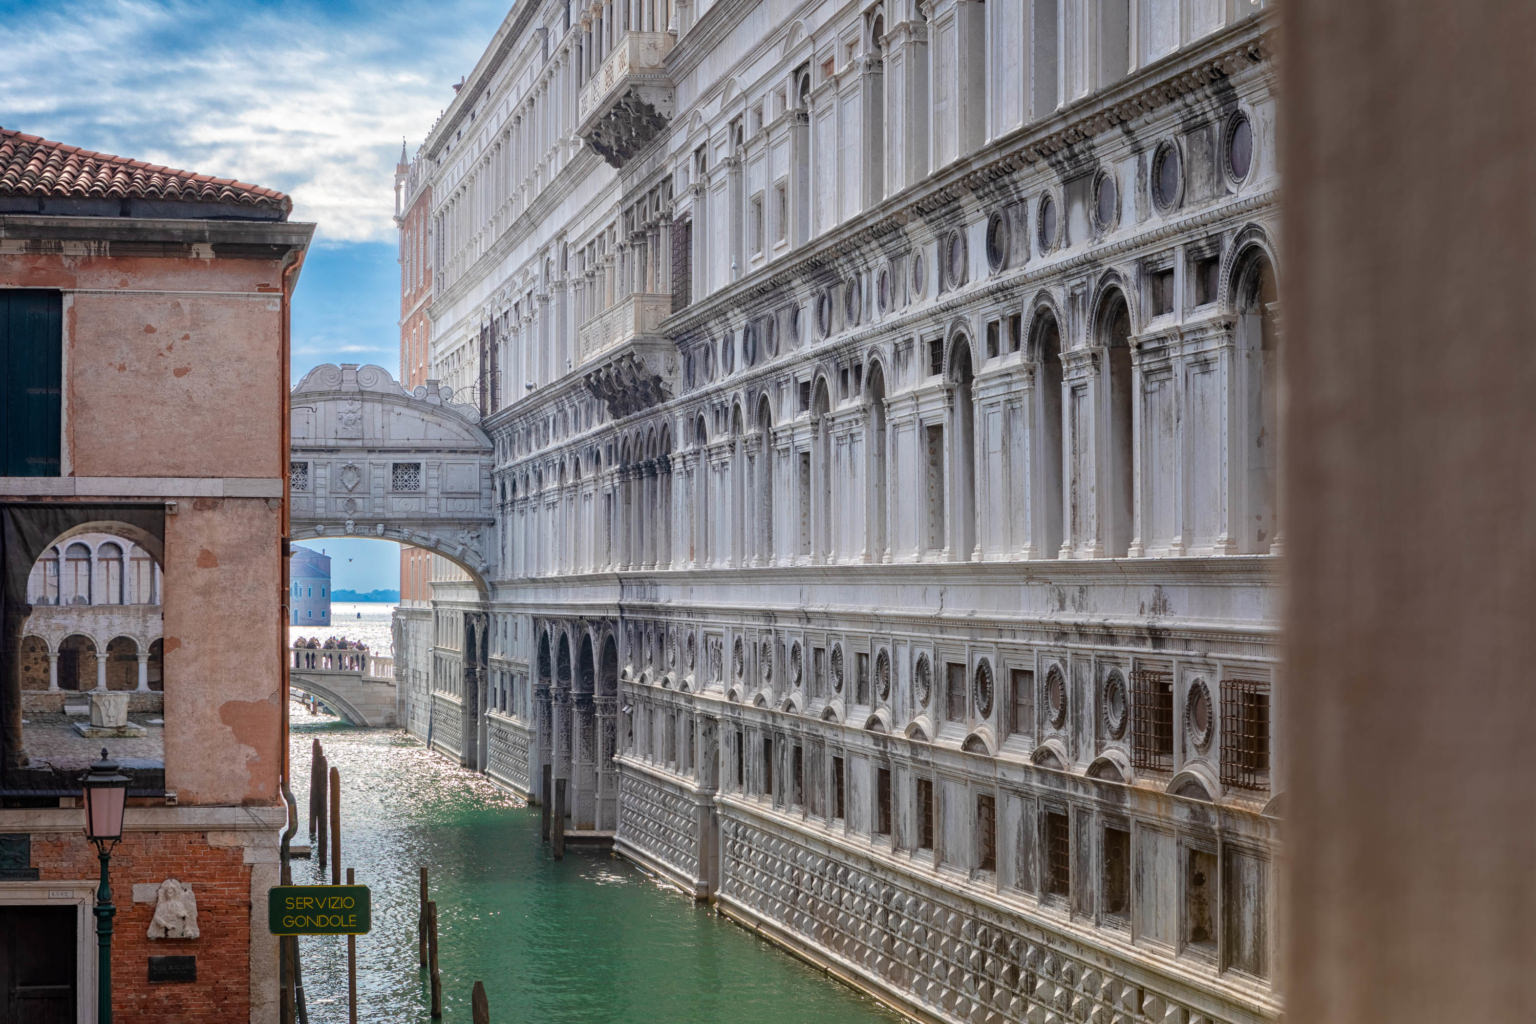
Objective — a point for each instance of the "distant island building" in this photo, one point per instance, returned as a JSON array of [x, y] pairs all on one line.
[[309, 588]]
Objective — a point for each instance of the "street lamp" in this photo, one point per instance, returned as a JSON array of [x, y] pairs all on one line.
[[106, 794]]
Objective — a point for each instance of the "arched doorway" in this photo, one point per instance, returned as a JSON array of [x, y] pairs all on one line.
[[77, 663], [584, 740], [123, 664]]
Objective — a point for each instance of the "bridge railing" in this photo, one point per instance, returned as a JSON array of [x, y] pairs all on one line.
[[360, 663]]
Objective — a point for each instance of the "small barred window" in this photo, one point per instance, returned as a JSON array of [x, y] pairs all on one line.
[[298, 476]]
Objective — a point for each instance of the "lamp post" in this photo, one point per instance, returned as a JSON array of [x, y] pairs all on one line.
[[106, 794]]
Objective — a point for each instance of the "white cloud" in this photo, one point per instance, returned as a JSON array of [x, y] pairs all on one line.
[[299, 98]]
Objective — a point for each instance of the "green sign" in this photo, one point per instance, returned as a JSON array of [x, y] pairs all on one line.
[[318, 910]]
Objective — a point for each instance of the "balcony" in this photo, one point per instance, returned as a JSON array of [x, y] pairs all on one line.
[[629, 101], [631, 317], [625, 362]]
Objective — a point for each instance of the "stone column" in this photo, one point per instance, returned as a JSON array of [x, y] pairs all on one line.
[[101, 670], [143, 672], [53, 671]]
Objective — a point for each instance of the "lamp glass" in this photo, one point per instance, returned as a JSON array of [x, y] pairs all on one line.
[[106, 794]]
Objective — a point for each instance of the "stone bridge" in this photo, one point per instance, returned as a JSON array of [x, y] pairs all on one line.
[[356, 685], [370, 459]]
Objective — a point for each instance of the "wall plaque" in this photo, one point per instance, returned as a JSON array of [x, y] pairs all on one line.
[[173, 968]]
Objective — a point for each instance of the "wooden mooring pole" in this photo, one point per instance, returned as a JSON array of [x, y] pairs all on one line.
[[480, 1010], [559, 833], [437, 979], [351, 963], [421, 920], [335, 826], [544, 798], [315, 755], [319, 785]]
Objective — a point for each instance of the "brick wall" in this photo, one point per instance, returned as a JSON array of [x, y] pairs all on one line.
[[221, 882]]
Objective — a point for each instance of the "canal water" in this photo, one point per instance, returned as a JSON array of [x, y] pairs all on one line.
[[587, 940]]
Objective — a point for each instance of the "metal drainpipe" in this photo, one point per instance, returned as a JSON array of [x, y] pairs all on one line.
[[288, 951]]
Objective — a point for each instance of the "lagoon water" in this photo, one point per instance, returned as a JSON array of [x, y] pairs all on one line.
[[587, 940]]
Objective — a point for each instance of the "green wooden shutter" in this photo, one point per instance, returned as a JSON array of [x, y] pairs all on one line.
[[31, 358]]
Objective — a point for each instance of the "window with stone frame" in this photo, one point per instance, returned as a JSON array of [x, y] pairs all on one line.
[[1115, 875], [31, 388], [954, 692], [739, 780], [1152, 719], [839, 790], [405, 476], [767, 767], [1200, 899], [882, 823], [1245, 733], [1056, 838], [1021, 704], [924, 815], [986, 832], [796, 776], [298, 476]]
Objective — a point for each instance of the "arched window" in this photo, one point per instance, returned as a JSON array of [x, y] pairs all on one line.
[[874, 114], [962, 379], [1115, 512], [879, 541], [821, 454], [109, 574], [764, 509], [1045, 350], [75, 587], [1258, 355], [739, 487], [701, 503]]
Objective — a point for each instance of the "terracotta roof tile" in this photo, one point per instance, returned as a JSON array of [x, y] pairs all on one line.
[[35, 167]]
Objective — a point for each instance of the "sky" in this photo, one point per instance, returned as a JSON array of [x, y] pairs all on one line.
[[312, 98]]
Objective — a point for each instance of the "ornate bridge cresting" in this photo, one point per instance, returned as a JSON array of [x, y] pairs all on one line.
[[370, 459]]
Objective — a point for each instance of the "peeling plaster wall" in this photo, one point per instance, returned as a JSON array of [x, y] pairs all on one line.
[[223, 684]]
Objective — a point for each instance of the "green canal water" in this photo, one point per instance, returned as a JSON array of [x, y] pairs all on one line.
[[587, 940]]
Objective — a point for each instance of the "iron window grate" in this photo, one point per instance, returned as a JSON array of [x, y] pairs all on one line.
[[1245, 733], [1152, 720], [405, 476], [298, 476]]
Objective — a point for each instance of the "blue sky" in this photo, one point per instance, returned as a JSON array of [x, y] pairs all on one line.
[[313, 98]]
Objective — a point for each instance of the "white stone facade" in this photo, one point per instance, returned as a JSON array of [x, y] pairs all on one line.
[[883, 399]]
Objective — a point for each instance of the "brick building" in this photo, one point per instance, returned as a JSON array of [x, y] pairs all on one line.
[[144, 337]]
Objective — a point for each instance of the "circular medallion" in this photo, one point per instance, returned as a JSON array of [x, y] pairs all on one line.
[[1114, 705], [1047, 223], [1055, 697], [1198, 716], [693, 651], [922, 681], [738, 658], [954, 251], [918, 274], [999, 241], [1167, 176], [983, 690], [765, 661], [883, 676], [1106, 202], [1239, 147], [796, 667], [837, 668]]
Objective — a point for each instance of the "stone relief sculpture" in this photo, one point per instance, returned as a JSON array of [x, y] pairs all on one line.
[[175, 912]]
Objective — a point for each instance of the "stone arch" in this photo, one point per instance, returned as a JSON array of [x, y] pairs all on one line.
[[607, 683], [562, 675], [960, 371], [1111, 766], [980, 741], [920, 729], [586, 667], [1251, 242], [1051, 754], [1110, 288], [1194, 782]]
